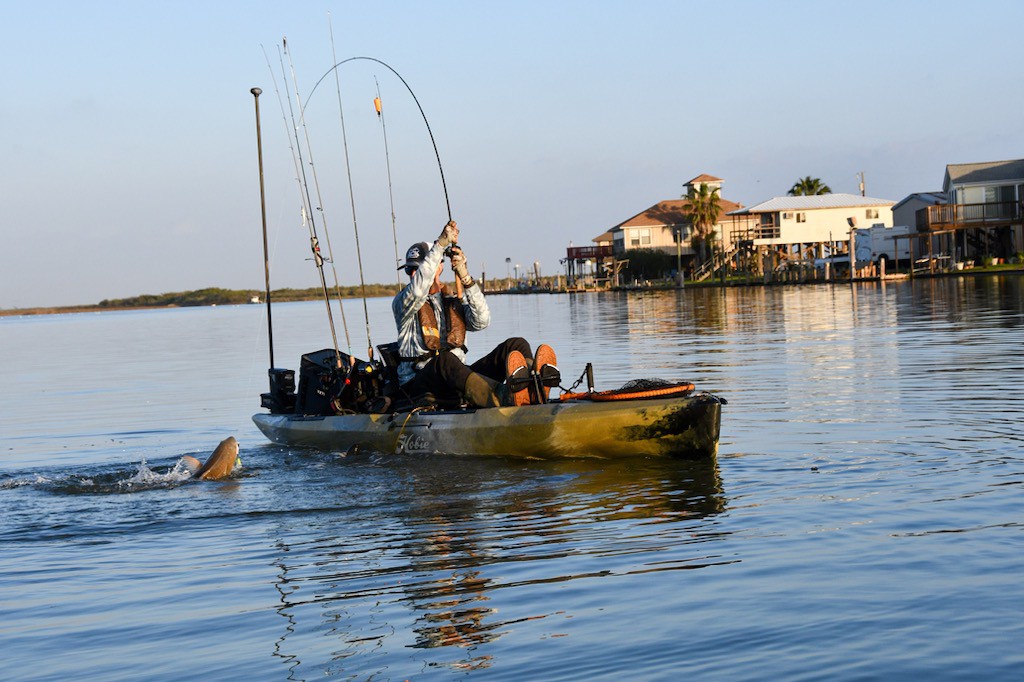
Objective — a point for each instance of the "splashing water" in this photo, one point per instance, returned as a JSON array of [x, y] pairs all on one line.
[[147, 478]]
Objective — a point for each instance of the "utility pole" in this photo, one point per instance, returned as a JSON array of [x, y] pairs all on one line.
[[852, 248], [679, 256]]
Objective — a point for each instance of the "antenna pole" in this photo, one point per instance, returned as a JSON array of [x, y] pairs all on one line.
[[256, 92]]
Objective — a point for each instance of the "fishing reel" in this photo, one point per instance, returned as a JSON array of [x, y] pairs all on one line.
[[332, 382], [358, 390]]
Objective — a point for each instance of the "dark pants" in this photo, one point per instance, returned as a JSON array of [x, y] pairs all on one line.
[[445, 375]]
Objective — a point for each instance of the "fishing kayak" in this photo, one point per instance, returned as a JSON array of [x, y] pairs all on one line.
[[342, 403], [679, 426]]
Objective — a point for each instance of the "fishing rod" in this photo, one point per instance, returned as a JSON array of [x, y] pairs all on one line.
[[256, 92], [433, 142], [387, 161], [319, 200], [351, 195], [307, 215], [437, 155], [304, 185]]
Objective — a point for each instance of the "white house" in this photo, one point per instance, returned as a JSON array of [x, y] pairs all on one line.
[[813, 226]]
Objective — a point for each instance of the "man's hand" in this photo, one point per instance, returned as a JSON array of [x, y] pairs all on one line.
[[449, 235], [459, 266]]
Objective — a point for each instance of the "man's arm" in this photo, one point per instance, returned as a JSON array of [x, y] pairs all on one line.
[[409, 301], [478, 314]]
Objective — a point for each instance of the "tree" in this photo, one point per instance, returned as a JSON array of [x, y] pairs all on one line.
[[703, 213], [649, 264], [808, 187]]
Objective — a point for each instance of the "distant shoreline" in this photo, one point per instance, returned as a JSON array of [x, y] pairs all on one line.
[[200, 298], [294, 296]]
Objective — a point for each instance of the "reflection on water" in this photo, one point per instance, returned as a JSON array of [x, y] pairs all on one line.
[[868, 483], [468, 538]]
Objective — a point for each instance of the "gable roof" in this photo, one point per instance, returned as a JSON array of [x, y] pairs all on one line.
[[931, 198], [670, 212], [991, 171], [704, 177], [814, 201]]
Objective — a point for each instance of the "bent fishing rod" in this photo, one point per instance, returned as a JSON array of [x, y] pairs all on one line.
[[304, 185], [433, 142], [444, 186]]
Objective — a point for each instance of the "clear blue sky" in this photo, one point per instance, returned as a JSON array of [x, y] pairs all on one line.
[[127, 132]]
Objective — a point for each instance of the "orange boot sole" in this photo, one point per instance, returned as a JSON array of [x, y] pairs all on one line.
[[517, 371]]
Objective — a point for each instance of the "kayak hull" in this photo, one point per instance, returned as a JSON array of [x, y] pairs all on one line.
[[686, 426]]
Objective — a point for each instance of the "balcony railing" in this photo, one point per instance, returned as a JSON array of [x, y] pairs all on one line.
[[588, 252], [958, 216]]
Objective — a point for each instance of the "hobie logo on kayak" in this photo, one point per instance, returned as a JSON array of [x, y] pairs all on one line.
[[412, 444]]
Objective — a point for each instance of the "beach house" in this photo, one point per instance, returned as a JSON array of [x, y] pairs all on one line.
[[982, 215], [666, 226], [798, 228]]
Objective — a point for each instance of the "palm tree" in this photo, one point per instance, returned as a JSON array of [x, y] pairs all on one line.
[[808, 187], [703, 212]]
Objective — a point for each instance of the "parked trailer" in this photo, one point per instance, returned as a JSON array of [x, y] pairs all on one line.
[[880, 243]]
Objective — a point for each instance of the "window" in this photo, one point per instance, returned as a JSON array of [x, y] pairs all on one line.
[[787, 216], [871, 213], [681, 233], [639, 237], [998, 193], [801, 217]]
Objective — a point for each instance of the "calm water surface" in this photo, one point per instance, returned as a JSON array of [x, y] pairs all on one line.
[[864, 519]]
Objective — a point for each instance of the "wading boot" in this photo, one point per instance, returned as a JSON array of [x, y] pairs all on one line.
[[517, 378], [482, 392], [545, 372]]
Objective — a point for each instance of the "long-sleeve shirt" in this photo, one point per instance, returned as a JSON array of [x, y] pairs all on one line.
[[406, 306]]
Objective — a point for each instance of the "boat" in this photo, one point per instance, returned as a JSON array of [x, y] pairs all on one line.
[[345, 405], [684, 427]]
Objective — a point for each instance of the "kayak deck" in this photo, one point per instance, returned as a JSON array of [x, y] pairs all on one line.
[[686, 426]]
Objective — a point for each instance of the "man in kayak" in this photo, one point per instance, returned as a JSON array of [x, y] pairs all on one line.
[[432, 323]]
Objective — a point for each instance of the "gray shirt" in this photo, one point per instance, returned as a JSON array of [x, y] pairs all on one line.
[[406, 306]]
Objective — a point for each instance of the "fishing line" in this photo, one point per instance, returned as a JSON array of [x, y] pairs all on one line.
[[378, 105], [314, 240], [351, 193]]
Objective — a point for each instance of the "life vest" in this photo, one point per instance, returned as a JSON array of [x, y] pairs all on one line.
[[451, 306]]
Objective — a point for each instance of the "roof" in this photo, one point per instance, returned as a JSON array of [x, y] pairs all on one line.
[[814, 201], [930, 198], [605, 236], [991, 171], [704, 177], [670, 212]]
